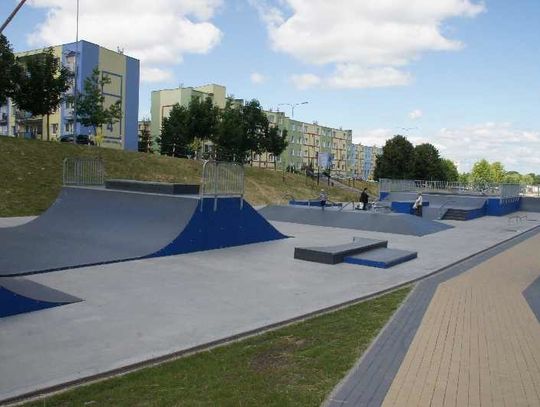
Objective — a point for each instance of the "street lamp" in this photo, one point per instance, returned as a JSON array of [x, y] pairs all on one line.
[[292, 105]]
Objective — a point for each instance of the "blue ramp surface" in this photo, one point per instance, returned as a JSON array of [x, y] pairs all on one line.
[[88, 226], [19, 295], [359, 220]]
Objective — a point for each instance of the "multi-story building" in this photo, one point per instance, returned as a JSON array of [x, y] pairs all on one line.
[[84, 57], [365, 160], [305, 142]]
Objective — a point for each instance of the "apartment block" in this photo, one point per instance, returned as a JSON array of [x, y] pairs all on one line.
[[365, 160], [84, 57], [305, 142]]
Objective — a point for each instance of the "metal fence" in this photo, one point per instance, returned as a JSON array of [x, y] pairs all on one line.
[[83, 171], [220, 179], [503, 191], [399, 185]]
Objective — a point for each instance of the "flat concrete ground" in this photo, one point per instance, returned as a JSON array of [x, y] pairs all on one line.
[[137, 310]]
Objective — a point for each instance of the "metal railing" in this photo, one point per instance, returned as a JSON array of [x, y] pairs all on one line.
[[83, 171], [221, 179], [504, 191]]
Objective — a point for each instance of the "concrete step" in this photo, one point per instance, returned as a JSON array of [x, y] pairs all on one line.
[[381, 257]]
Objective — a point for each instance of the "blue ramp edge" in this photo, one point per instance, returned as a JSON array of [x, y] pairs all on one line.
[[381, 257], [227, 226], [19, 296]]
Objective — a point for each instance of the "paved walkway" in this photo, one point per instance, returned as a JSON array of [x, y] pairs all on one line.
[[477, 344]]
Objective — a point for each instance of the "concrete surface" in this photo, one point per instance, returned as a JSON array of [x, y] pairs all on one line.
[[138, 310]]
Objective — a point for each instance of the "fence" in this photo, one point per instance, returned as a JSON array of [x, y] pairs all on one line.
[[504, 191], [83, 171], [222, 179]]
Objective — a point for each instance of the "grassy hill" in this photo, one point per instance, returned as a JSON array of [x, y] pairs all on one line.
[[31, 175]]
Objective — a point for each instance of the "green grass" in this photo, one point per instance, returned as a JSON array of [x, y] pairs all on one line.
[[297, 365], [31, 175]]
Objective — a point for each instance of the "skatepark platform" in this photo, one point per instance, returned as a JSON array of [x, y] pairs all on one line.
[[19, 295], [90, 226], [360, 220], [336, 254], [382, 257]]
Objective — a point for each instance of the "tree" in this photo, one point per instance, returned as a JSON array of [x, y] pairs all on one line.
[[497, 172], [42, 84], [527, 179], [396, 160], [145, 139], [427, 163], [230, 138], [8, 70], [90, 104], [255, 123], [512, 177], [481, 172], [203, 120], [275, 142], [449, 169], [464, 178], [175, 134]]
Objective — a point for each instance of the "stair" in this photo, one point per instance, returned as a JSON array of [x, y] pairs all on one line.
[[457, 214]]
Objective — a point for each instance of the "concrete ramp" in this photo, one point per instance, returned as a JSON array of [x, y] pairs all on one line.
[[381, 257], [19, 295], [359, 220], [88, 226]]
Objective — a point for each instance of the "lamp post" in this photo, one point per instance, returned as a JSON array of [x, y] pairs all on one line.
[[292, 105], [10, 17], [75, 69]]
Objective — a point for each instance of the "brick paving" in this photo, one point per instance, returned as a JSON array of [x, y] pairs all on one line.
[[465, 337]]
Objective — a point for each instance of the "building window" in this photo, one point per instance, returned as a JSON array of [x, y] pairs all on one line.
[[54, 128]]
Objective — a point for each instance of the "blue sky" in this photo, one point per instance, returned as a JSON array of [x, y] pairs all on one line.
[[461, 74]]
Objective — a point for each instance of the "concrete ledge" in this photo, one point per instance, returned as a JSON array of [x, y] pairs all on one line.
[[152, 187], [336, 254]]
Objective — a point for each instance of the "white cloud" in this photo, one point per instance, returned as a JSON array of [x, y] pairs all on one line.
[[305, 81], [416, 114], [516, 148], [158, 33], [257, 78], [368, 42]]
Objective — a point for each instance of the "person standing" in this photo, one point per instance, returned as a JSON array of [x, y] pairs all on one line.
[[323, 197], [364, 198], [418, 205]]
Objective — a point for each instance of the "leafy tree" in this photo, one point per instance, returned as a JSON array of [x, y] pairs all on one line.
[[230, 138], [203, 119], [449, 170], [464, 178], [497, 171], [255, 125], [8, 70], [427, 163], [42, 84], [512, 177], [145, 139], [481, 172], [527, 179], [396, 160], [91, 111], [175, 134], [275, 142]]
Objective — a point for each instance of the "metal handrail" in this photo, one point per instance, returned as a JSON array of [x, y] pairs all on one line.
[[221, 179]]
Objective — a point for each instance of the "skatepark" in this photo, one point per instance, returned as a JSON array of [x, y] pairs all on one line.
[[124, 276]]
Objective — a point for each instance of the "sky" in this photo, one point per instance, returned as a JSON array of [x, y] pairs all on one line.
[[463, 75]]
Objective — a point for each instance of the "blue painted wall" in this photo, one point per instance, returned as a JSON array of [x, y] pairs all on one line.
[[496, 207], [13, 304], [132, 105]]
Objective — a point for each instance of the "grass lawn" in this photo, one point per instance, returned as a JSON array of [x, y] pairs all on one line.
[[31, 175], [297, 365]]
